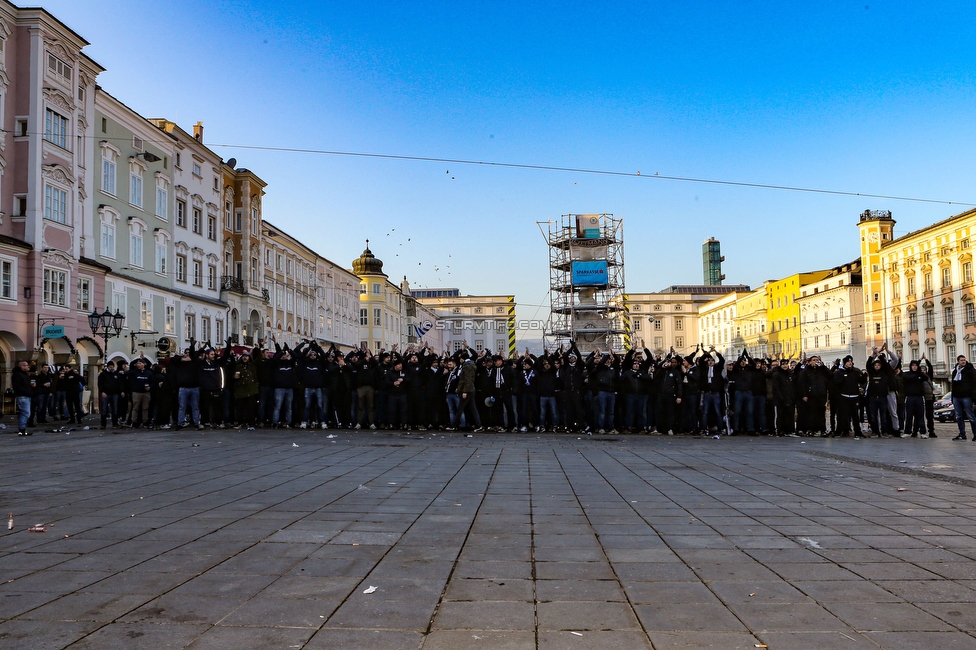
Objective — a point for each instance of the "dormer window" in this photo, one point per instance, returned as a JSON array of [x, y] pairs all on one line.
[[59, 67]]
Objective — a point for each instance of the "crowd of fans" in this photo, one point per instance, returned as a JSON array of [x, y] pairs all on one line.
[[560, 390]]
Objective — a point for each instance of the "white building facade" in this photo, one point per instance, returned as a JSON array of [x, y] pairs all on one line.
[[832, 316]]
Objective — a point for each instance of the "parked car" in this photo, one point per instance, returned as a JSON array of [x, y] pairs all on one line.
[[946, 414], [944, 402]]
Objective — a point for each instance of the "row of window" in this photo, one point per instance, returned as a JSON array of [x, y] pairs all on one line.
[[825, 339], [196, 220], [948, 318], [301, 271], [927, 284], [207, 325]]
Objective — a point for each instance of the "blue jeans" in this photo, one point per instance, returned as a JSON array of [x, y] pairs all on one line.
[[189, 397], [453, 401], [711, 403], [109, 403], [313, 395], [282, 397], [23, 412], [605, 402], [964, 411], [40, 407], [743, 411], [547, 404]]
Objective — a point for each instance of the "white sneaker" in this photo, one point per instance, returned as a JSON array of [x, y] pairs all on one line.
[[303, 425], [923, 435], [523, 429], [325, 426], [372, 426], [358, 426], [905, 435], [670, 432], [601, 432]]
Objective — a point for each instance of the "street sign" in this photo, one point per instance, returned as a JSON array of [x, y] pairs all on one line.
[[53, 332]]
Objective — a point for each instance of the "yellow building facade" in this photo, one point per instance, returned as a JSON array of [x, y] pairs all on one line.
[[750, 323], [381, 306], [918, 289], [783, 312]]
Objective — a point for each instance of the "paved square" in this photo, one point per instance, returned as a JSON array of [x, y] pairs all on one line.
[[301, 539]]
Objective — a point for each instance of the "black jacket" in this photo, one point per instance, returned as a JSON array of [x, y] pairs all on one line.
[[20, 382], [963, 381]]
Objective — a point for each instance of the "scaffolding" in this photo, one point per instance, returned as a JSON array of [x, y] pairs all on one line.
[[586, 282]]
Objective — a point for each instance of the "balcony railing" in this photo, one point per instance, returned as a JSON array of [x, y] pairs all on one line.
[[231, 283]]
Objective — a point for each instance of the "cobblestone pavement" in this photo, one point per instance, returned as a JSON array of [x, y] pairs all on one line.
[[272, 540]]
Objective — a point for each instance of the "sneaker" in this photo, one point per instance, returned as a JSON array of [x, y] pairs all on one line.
[[21, 433], [959, 438], [358, 426], [221, 426], [303, 425], [199, 427], [923, 436], [932, 435], [600, 432], [325, 426], [450, 429], [477, 429], [905, 435], [373, 427], [670, 432], [522, 429], [165, 426]]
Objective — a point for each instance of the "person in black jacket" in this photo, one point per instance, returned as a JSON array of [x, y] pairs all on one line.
[[20, 382], [544, 379], [108, 394], [312, 374], [140, 383], [499, 384], [395, 386], [784, 397], [212, 381], [671, 386], [528, 399], [283, 379], [711, 383], [633, 386], [812, 391], [914, 383], [879, 384], [572, 378], [187, 379], [963, 389], [847, 387], [742, 376], [603, 380]]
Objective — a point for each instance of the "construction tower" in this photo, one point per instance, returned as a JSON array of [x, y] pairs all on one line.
[[586, 282]]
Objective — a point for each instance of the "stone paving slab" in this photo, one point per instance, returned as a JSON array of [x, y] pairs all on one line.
[[237, 539]]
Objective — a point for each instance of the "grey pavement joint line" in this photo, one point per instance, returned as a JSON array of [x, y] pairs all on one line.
[[956, 480], [174, 587], [589, 522], [772, 569], [432, 503]]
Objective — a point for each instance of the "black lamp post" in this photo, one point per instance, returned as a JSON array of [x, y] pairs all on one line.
[[107, 325]]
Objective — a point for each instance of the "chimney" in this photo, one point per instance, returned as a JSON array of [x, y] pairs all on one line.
[[198, 131]]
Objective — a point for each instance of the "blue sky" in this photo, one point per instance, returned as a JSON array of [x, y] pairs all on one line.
[[868, 97]]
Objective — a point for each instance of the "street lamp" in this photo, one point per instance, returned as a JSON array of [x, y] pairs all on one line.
[[107, 325]]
